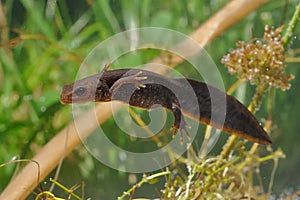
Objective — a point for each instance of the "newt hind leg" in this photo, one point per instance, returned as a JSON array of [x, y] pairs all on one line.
[[179, 123]]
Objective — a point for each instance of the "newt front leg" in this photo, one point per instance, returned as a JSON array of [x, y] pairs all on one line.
[[132, 79]]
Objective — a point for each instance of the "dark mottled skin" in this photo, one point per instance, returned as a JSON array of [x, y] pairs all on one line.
[[144, 89]]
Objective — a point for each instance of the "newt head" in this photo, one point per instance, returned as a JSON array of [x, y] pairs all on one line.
[[85, 90]]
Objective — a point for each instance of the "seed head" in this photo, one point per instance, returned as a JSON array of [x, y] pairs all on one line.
[[261, 61]]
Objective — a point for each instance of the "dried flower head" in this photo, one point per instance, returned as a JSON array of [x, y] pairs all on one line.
[[260, 61]]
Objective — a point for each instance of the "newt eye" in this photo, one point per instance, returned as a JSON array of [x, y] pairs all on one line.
[[80, 91]]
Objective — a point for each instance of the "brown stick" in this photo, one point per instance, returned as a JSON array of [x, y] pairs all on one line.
[[48, 158]]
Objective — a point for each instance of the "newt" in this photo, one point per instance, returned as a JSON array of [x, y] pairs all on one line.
[[145, 89]]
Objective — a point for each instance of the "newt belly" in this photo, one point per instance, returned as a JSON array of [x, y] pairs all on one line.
[[145, 89]]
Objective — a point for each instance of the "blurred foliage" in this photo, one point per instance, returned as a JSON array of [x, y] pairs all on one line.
[[44, 42]]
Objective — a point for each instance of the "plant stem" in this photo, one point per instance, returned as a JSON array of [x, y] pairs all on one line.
[[144, 180], [228, 146], [257, 98], [291, 27]]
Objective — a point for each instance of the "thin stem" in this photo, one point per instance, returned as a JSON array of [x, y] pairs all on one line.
[[234, 86], [228, 146], [291, 27], [268, 123], [146, 179], [69, 191], [257, 98], [270, 103]]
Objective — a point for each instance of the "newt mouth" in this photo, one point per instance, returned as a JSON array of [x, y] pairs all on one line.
[[69, 99], [66, 94], [65, 100]]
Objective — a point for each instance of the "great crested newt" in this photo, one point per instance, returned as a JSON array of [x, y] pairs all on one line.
[[145, 89]]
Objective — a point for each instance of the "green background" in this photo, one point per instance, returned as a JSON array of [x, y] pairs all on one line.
[[59, 37]]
